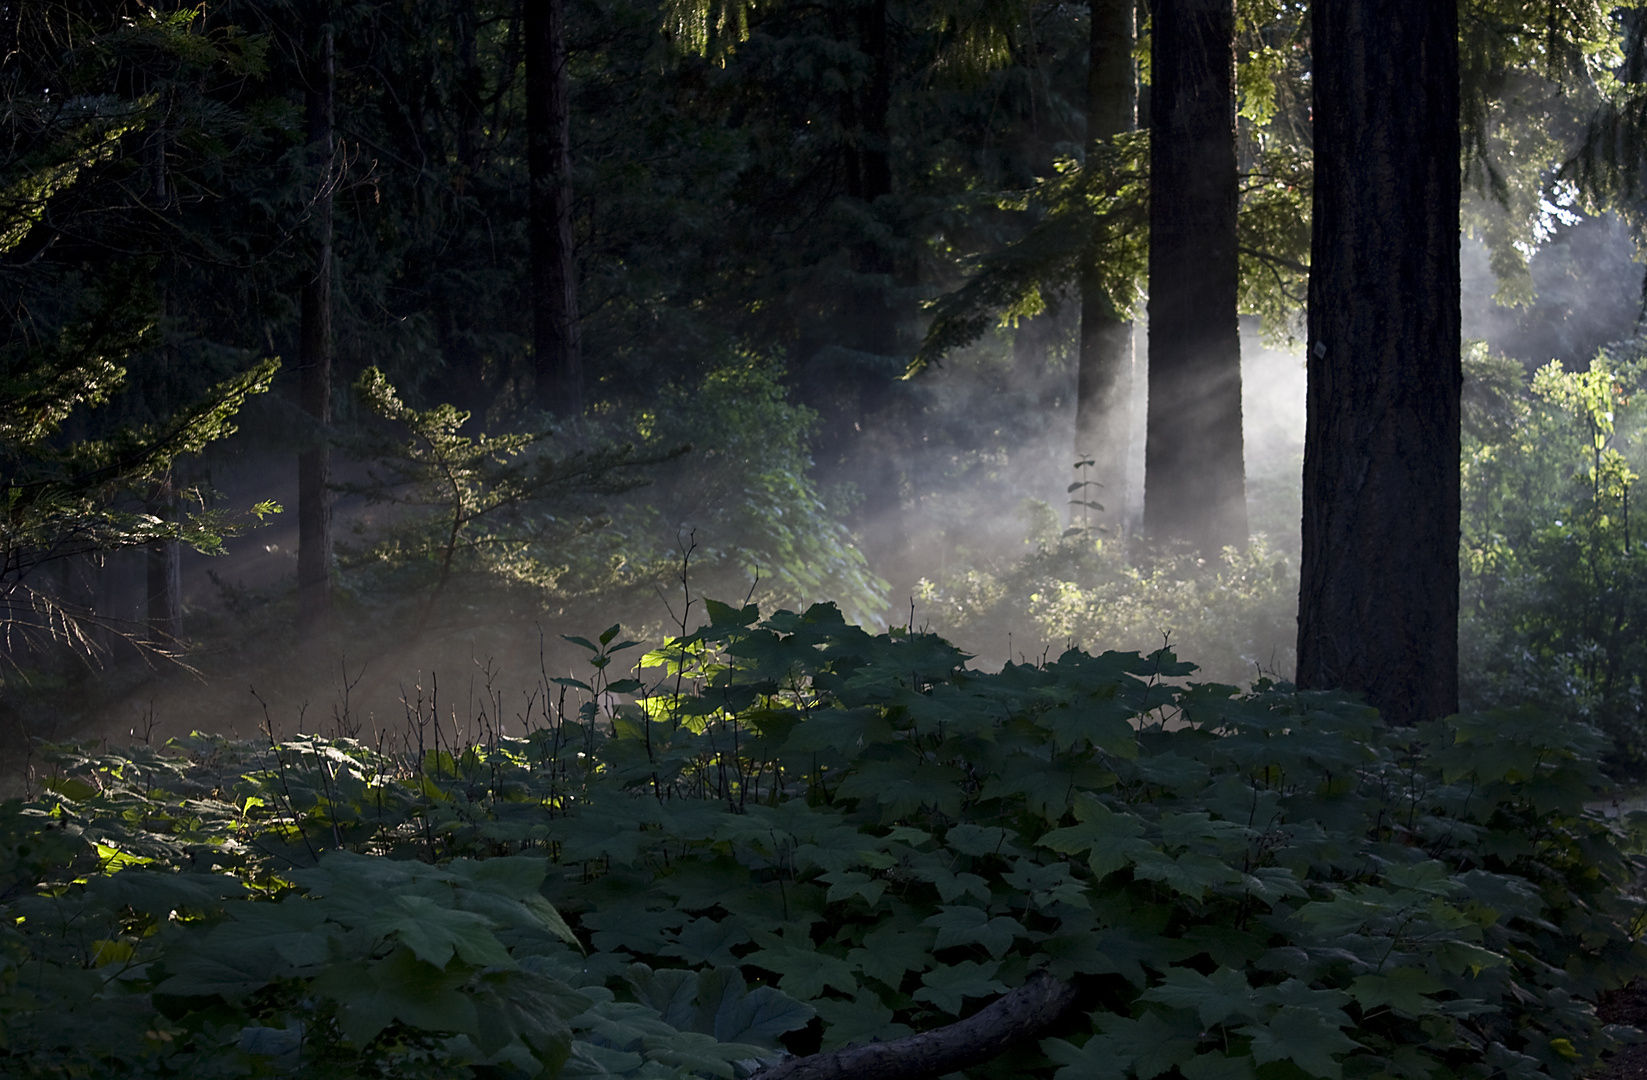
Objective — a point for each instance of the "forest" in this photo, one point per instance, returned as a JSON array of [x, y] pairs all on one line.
[[784, 539]]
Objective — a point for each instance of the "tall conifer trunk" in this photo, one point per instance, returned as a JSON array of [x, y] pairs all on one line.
[[471, 85], [314, 511], [1194, 475], [1103, 384], [558, 360], [164, 567], [1378, 601], [164, 562]]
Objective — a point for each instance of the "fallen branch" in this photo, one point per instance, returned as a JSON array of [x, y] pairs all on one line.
[[1013, 1018]]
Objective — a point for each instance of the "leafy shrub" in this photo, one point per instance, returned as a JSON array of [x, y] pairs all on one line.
[[479, 523], [1271, 884], [1238, 612], [1555, 585], [761, 524]]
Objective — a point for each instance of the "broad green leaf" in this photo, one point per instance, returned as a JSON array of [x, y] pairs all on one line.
[[1152, 1043], [1218, 1067], [1106, 724], [1190, 874], [901, 787], [849, 883], [725, 615], [160, 893], [1112, 840], [1403, 989], [805, 971], [259, 944], [862, 1019], [1214, 998], [435, 933], [528, 1006], [398, 987], [962, 925], [889, 951], [1303, 1036], [1112, 951], [977, 840], [707, 941], [1097, 1059], [946, 986], [759, 1017]]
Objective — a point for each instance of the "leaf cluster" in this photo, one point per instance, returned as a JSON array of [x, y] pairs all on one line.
[[876, 836]]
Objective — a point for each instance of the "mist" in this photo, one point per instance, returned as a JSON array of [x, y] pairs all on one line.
[[992, 462]]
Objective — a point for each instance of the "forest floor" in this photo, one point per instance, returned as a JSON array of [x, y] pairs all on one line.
[[1626, 1006]]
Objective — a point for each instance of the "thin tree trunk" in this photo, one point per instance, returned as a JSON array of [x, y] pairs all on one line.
[[164, 559], [1378, 601], [1194, 475], [165, 574], [471, 83], [865, 114], [558, 362], [875, 145], [1103, 382], [314, 511], [867, 430]]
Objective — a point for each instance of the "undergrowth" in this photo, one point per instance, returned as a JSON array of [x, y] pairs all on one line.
[[785, 835]]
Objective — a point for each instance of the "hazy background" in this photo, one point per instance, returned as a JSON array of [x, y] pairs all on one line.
[[997, 422]]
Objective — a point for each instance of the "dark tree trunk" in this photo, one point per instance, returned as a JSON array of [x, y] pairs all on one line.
[[868, 151], [875, 148], [1103, 382], [864, 408], [165, 574], [1194, 476], [471, 85], [1378, 602], [164, 559], [558, 363], [314, 510]]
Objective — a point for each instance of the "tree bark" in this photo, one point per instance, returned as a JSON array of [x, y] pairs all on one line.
[[164, 559], [1194, 475], [471, 84], [165, 574], [1103, 381], [1378, 600], [558, 363], [314, 510], [1017, 1017], [866, 114]]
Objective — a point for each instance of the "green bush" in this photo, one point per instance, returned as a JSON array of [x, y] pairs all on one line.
[[478, 524], [1238, 612], [1554, 582], [800, 835]]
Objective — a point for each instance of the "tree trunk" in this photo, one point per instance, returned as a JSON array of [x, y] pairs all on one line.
[[470, 90], [314, 511], [164, 559], [1378, 601], [868, 158], [1194, 475], [165, 574], [1103, 381], [558, 365]]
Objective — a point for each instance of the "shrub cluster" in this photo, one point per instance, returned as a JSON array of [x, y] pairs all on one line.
[[797, 835]]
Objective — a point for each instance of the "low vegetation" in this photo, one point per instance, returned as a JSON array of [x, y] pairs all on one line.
[[788, 835]]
